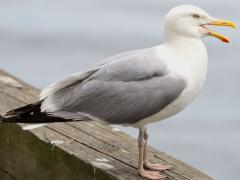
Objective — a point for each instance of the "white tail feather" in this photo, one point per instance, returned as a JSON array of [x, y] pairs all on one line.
[[33, 126]]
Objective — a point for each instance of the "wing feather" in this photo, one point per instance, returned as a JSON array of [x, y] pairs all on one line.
[[125, 102], [123, 90]]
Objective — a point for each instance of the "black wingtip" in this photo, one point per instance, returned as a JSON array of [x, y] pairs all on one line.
[[8, 119], [11, 113]]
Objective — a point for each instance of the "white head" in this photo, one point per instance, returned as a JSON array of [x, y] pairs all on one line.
[[190, 21]]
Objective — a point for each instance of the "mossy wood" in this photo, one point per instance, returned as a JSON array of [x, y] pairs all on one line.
[[70, 151]]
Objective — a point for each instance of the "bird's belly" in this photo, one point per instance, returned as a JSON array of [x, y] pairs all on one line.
[[176, 106]]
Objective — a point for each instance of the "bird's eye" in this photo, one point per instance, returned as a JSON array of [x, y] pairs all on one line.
[[195, 16]]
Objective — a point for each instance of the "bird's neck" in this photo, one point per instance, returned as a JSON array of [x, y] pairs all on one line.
[[188, 57], [183, 43], [187, 46]]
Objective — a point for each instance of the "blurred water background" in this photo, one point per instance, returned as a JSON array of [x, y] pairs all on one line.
[[42, 41]]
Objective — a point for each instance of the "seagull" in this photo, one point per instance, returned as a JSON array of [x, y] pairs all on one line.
[[135, 88]]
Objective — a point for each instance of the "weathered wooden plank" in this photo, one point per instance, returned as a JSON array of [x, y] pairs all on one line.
[[76, 150], [4, 175]]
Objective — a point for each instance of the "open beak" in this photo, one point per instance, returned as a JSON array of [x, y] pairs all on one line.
[[220, 23]]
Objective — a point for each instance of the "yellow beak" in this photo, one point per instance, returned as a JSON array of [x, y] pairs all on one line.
[[221, 23]]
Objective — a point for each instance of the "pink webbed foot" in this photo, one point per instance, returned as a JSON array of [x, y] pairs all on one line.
[[153, 175], [156, 167]]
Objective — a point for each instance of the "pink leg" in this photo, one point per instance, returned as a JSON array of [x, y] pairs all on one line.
[[156, 166], [147, 164], [153, 175]]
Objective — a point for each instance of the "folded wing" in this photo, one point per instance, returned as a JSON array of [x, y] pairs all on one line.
[[124, 90]]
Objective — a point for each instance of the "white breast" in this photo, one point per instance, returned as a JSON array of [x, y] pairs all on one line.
[[191, 64]]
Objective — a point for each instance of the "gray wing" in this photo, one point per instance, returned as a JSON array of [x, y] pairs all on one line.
[[73, 79], [122, 91]]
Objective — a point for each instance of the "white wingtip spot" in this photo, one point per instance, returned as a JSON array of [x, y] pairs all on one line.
[[102, 165], [10, 81], [33, 126]]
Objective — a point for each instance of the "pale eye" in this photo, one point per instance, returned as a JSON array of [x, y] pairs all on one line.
[[195, 16]]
